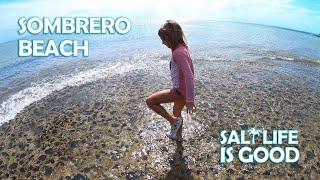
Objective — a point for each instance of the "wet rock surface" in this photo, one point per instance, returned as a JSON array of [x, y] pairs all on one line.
[[104, 129]]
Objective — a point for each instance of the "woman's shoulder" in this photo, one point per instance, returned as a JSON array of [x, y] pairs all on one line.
[[181, 49]]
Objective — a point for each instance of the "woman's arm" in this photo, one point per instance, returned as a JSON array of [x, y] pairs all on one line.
[[181, 59]]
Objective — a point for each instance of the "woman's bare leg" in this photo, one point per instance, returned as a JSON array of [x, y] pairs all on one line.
[[177, 108], [155, 100]]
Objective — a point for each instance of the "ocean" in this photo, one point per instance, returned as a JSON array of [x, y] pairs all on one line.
[[86, 117], [28, 79]]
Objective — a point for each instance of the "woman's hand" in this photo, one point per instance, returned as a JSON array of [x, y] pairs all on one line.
[[190, 107]]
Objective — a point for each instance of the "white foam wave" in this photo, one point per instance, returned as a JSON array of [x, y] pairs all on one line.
[[15, 103]]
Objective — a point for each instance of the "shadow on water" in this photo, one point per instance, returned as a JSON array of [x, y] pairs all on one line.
[[178, 165]]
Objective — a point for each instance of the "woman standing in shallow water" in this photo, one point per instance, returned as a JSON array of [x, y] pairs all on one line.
[[182, 77]]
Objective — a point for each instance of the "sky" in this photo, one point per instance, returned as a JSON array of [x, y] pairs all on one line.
[[303, 15]]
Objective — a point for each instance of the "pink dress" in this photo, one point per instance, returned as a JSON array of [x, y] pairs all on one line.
[[182, 72]]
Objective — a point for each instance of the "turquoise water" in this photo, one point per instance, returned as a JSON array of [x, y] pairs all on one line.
[[26, 80]]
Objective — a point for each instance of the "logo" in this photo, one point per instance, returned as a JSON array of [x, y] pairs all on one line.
[[260, 146]]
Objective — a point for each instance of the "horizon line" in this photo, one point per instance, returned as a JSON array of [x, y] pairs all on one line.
[[226, 21], [258, 24]]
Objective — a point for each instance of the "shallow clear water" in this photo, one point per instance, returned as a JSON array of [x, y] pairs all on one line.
[[26, 80], [88, 116]]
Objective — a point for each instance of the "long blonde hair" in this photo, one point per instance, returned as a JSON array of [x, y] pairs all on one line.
[[174, 32]]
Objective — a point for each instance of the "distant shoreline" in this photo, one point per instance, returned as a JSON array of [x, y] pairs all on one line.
[[247, 23], [255, 24]]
